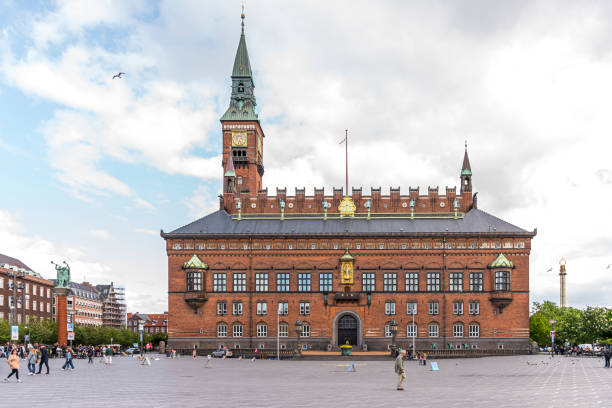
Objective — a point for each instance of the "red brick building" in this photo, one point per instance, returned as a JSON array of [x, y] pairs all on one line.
[[348, 267], [153, 322], [24, 294]]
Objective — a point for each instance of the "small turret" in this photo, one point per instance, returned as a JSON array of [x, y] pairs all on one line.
[[466, 173]]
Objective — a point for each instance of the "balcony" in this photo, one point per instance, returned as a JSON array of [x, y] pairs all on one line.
[[346, 297], [501, 299], [195, 299]]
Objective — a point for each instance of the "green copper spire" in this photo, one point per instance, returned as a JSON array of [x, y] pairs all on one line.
[[242, 101]]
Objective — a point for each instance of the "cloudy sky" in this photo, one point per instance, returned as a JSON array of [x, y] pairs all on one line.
[[93, 168]]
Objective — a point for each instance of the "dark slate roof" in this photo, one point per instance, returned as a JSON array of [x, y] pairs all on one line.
[[475, 222], [4, 259]]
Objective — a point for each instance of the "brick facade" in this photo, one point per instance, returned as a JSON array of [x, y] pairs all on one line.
[[387, 238]]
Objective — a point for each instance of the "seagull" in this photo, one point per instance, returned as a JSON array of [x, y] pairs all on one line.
[[608, 267], [118, 75], [549, 270]]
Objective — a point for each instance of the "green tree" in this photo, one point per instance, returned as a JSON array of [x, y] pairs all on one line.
[[539, 329]]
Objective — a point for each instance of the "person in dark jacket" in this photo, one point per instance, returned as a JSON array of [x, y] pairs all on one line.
[[90, 355], [44, 358]]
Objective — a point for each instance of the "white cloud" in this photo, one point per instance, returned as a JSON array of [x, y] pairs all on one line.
[[147, 231], [100, 233], [202, 202]]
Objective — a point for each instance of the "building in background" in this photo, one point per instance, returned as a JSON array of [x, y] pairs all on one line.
[[153, 322], [121, 300], [111, 308], [24, 294], [84, 304]]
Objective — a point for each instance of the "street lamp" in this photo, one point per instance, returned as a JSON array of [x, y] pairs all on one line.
[[298, 331], [393, 328], [141, 329], [552, 336]]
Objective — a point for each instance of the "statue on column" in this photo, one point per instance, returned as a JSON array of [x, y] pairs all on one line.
[[63, 275]]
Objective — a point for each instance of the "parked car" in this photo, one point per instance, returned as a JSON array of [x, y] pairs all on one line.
[[221, 353], [132, 350]]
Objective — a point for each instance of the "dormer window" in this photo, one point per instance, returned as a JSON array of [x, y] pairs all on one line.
[[241, 87]]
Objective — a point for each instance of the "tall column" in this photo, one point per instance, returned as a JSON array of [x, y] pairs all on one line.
[[61, 314]]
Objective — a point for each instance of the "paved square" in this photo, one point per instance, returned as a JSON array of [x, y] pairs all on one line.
[[482, 382]]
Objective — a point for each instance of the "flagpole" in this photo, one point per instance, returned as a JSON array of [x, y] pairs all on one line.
[[346, 158]]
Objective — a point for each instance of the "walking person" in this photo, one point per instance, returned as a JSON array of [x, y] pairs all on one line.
[[399, 369], [90, 355], [68, 354], [607, 355], [425, 359], [32, 362], [44, 358], [13, 362]]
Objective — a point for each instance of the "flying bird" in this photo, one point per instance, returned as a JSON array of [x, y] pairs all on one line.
[[549, 270], [608, 267], [118, 75]]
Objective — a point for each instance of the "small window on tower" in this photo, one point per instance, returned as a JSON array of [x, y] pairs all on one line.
[[239, 180], [240, 87]]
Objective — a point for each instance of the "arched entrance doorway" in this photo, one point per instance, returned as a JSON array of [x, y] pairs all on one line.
[[347, 330]]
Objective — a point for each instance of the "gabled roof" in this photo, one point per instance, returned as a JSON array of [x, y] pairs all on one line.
[[7, 260], [475, 222], [195, 263], [501, 262]]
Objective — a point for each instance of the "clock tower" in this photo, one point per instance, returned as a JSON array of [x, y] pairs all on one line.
[[242, 133]]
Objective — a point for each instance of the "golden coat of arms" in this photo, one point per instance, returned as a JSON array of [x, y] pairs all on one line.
[[346, 269]]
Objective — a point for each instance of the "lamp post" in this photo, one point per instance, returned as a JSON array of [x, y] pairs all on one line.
[[552, 336], [278, 313], [71, 313], [140, 330], [298, 331], [393, 328]]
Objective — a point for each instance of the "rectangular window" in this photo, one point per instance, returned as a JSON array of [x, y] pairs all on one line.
[[27, 302], [411, 308], [34, 305], [48, 292], [237, 308], [434, 308], [368, 282], [458, 330], [48, 307], [219, 282], [433, 282], [412, 282], [303, 282], [325, 282], [221, 308], [194, 281], [1, 300], [283, 330], [40, 291], [502, 280], [389, 308], [239, 282], [282, 282], [262, 308], [434, 330], [411, 330], [390, 282], [455, 282], [388, 332], [305, 308], [474, 308], [474, 330], [221, 330], [305, 330], [261, 282], [458, 308], [27, 288], [283, 308], [262, 330], [476, 281]]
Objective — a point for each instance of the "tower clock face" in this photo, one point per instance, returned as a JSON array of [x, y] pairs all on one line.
[[239, 139]]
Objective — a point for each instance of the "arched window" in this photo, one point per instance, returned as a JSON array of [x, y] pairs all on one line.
[[305, 329], [411, 330], [458, 330], [434, 330], [237, 330], [474, 330], [240, 87], [283, 330], [221, 330]]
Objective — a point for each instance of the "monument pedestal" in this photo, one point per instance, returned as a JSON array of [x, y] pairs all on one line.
[[61, 314]]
